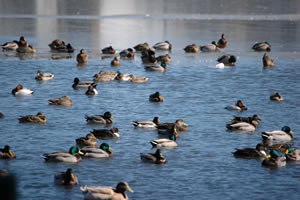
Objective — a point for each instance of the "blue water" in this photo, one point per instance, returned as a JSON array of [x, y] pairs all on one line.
[[202, 166]]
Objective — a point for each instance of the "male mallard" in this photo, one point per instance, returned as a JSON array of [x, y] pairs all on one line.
[[20, 91], [105, 119], [243, 126], [276, 97], [237, 119], [156, 67], [283, 135], [103, 76], [267, 62], [9, 46], [81, 84], [192, 48], [227, 59], [273, 160], [90, 140], [163, 46], [262, 46], [147, 124], [24, 47], [6, 153], [91, 90], [104, 151], [115, 62], [164, 59], [258, 152], [61, 101], [123, 77], [222, 43], [156, 158], [156, 97], [164, 142], [73, 156], [141, 47], [179, 123], [127, 54], [38, 118], [239, 107], [65, 178], [138, 79], [106, 193], [82, 58], [209, 47], [44, 76], [106, 133], [108, 50]]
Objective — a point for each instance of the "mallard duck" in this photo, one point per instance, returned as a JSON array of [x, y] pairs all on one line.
[[106, 133], [243, 126], [115, 62], [141, 47], [148, 56], [6, 153], [237, 119], [38, 118], [127, 54], [105, 119], [89, 140], [268, 144], [26, 49], [156, 67], [292, 154], [81, 84], [91, 90], [104, 151], [167, 133], [222, 43], [164, 58], [123, 77], [276, 97], [20, 91], [138, 79], [56, 44], [262, 46], [44, 76], [156, 158], [179, 123], [273, 160], [239, 107], [10, 46], [106, 193], [61, 101], [147, 124], [164, 142], [227, 59], [108, 50], [73, 156], [192, 48], [60, 46], [258, 152], [209, 47], [65, 178], [82, 58], [267, 62], [156, 97], [1, 115], [163, 45], [103, 76], [283, 135]]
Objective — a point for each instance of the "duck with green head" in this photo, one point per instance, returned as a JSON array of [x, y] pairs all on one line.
[[164, 142], [73, 156], [105, 119], [147, 124], [45, 76], [274, 160], [283, 135], [104, 151]]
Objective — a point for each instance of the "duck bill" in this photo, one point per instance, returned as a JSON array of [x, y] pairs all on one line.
[[292, 131], [111, 149], [10, 153], [80, 153], [129, 189], [112, 118]]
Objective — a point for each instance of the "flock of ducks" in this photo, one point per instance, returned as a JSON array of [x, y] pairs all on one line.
[[86, 147]]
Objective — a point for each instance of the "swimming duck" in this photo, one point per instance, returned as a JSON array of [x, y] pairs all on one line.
[[20, 91], [283, 135], [106, 133], [268, 144], [91, 90], [276, 97], [156, 97], [239, 107], [227, 59], [192, 48], [123, 77], [222, 43], [56, 43], [60, 46], [292, 154], [73, 156], [262, 46], [164, 142], [156, 158], [273, 160], [167, 133], [146, 124], [148, 56], [243, 126], [61, 101], [90, 140], [141, 47], [267, 62], [38, 118], [105, 119], [104, 151], [24, 47], [81, 84], [115, 62], [44, 76], [103, 76], [108, 50], [164, 58], [10, 46], [237, 119], [209, 47], [65, 178], [138, 79], [127, 54], [106, 193], [156, 67], [258, 152], [82, 58], [179, 123], [163, 46], [6, 153]]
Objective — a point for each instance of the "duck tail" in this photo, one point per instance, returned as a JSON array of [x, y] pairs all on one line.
[[135, 124], [154, 143], [46, 158], [265, 135], [84, 189], [228, 126], [87, 118]]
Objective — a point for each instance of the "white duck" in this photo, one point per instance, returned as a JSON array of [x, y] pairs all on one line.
[[283, 135], [20, 91]]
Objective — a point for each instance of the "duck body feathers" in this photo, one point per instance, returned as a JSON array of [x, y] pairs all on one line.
[[261, 46], [61, 101], [106, 133], [38, 118], [10, 46]]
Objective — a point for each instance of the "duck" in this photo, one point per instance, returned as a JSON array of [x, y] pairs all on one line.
[[73, 156], [222, 43], [56, 44], [24, 47], [60, 46], [258, 152], [105, 119], [238, 107], [90, 140], [164, 58], [39, 118], [106, 193], [106, 133], [104, 151], [267, 62], [91, 90], [156, 97], [10, 46], [179, 123], [276, 97], [148, 56], [20, 91], [141, 47], [283, 135], [156, 67], [103, 76], [167, 133], [243, 126], [123, 77], [82, 57], [127, 54], [115, 62], [108, 50], [66, 178], [213, 47], [227, 59], [261, 46], [165, 142], [147, 124], [292, 154], [166, 45], [6, 153], [237, 119], [268, 144], [81, 84], [44, 76], [138, 79], [192, 48], [155, 158], [273, 160], [61, 101]]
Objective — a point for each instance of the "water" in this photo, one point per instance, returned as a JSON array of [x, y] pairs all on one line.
[[193, 88]]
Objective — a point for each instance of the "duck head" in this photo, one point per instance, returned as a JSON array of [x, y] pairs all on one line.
[[41, 115], [8, 150], [240, 104], [75, 150], [159, 155], [156, 120], [122, 187], [82, 51], [107, 115], [106, 147], [287, 129]]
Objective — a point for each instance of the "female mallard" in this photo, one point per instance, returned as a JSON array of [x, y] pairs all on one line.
[[73, 156], [166, 45], [148, 56], [106, 133], [60, 46], [38, 118], [156, 158], [10, 46], [91, 90], [104, 151], [105, 119], [115, 62], [123, 77], [276, 97], [243, 126], [262, 46], [179, 123], [82, 58], [237, 119], [268, 144], [209, 47], [164, 59], [108, 50], [267, 62], [106, 193], [67, 178], [90, 140], [258, 152], [138, 79], [283, 135], [222, 43], [156, 97], [103, 76], [227, 59], [147, 124], [192, 48], [292, 154], [61, 101], [44, 76], [273, 160], [56, 44], [6, 153], [81, 84], [164, 142], [238, 107], [156, 67], [141, 47], [20, 91], [127, 54]]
